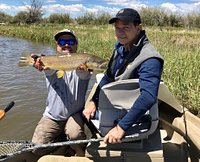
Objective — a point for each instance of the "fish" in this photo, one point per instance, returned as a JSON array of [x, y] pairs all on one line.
[[67, 62]]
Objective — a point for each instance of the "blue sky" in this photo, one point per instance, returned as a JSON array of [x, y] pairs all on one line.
[[79, 7]]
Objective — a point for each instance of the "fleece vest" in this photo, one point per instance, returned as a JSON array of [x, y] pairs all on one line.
[[140, 52]]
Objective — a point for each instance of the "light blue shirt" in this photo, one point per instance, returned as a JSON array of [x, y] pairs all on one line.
[[66, 95]]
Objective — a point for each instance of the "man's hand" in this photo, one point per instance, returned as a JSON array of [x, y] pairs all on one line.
[[114, 135], [85, 68], [89, 110], [38, 64], [82, 67]]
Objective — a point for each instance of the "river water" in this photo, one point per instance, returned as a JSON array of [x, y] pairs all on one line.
[[23, 85]]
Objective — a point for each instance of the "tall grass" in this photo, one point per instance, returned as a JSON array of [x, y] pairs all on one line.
[[181, 52], [179, 48]]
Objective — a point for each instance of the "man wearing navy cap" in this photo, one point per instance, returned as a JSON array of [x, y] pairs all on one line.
[[133, 58]]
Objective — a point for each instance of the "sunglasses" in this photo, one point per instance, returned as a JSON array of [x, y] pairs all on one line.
[[63, 42]]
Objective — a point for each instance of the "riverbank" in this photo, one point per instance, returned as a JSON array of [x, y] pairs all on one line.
[[180, 49]]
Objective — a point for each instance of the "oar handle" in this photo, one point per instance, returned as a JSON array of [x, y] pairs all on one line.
[[9, 106], [91, 127]]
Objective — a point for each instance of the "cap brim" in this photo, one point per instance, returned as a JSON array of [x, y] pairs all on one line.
[[63, 33], [123, 18], [111, 21]]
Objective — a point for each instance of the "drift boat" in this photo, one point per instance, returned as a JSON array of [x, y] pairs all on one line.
[[171, 134]]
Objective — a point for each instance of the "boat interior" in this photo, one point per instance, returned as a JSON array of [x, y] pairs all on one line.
[[173, 135]]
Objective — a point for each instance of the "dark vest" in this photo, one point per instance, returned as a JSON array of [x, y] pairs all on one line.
[[140, 52]]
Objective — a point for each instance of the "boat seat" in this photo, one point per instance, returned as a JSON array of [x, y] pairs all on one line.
[[115, 100]]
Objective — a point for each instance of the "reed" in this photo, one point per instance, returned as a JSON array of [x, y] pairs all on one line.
[[180, 49]]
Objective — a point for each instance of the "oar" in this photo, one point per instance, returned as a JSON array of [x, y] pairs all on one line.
[[6, 109]]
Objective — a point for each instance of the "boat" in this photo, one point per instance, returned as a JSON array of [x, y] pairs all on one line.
[[172, 136]]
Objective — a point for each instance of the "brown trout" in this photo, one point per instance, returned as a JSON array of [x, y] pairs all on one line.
[[68, 61]]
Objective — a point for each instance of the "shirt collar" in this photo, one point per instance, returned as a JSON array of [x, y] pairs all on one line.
[[120, 49]]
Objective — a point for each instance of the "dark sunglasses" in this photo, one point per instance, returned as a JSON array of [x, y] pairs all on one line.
[[63, 42]]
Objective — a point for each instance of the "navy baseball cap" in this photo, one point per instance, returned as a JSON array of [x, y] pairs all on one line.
[[128, 15]]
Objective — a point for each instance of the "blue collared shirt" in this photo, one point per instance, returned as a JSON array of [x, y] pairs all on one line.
[[149, 74]]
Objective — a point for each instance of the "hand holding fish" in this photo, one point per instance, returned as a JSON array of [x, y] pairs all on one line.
[[38, 64], [84, 67]]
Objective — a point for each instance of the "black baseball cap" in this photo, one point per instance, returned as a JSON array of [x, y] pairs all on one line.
[[128, 15]]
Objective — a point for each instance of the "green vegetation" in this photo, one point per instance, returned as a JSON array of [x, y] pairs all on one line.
[[59, 18], [179, 47]]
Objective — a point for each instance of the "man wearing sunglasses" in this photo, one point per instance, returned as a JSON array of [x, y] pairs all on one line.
[[66, 43], [65, 100]]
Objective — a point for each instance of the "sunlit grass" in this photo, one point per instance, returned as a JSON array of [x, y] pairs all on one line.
[[179, 48]]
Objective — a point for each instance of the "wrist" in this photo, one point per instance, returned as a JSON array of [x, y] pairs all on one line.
[[120, 128]]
